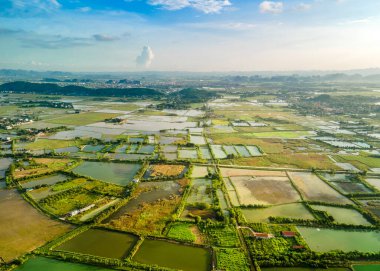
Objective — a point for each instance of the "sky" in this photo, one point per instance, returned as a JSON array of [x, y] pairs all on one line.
[[189, 35]]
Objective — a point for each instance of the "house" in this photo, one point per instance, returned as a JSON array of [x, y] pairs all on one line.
[[263, 235], [288, 233]]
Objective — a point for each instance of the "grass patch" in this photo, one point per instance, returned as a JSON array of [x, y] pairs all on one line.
[[82, 119], [50, 144], [61, 204], [362, 161], [182, 231], [231, 259]]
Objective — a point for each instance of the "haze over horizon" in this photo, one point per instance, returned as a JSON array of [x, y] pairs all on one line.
[[189, 35]]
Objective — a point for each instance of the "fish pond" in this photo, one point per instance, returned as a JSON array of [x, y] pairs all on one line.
[[346, 240], [46, 180], [42, 263], [117, 173], [293, 210], [366, 267], [103, 243], [188, 154], [304, 269], [343, 215], [173, 255]]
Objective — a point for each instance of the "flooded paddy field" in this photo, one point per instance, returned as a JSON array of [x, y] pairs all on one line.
[[314, 189], [201, 191], [372, 205], [351, 187], [103, 243], [264, 190], [117, 173], [375, 182]]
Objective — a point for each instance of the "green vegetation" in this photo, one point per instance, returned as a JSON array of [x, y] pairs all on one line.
[[231, 259], [181, 231]]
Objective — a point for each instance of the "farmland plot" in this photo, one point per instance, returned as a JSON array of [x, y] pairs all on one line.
[[24, 228], [264, 190], [228, 172], [201, 191], [314, 189]]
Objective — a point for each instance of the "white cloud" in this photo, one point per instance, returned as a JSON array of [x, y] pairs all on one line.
[[206, 6], [271, 7], [358, 21], [145, 58], [222, 26], [84, 9], [36, 5]]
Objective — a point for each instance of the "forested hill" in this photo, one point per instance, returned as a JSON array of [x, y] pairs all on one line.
[[48, 88]]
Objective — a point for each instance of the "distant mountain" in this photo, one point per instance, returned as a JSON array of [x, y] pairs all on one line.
[[59, 75], [33, 74], [51, 89]]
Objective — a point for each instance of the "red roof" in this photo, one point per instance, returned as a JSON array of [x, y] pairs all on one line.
[[288, 233], [298, 247], [262, 235]]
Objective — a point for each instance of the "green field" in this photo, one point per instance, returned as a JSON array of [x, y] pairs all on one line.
[[82, 118], [51, 144]]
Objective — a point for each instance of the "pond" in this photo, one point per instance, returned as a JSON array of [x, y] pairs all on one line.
[[121, 149], [67, 150], [169, 148], [304, 269], [164, 140], [117, 173], [205, 152], [92, 148], [48, 180], [242, 150], [319, 240], [366, 267], [147, 149], [188, 154], [198, 140], [170, 155], [343, 215], [254, 151], [103, 243], [42, 263], [230, 150], [218, 151], [173, 255], [293, 210], [4, 164]]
